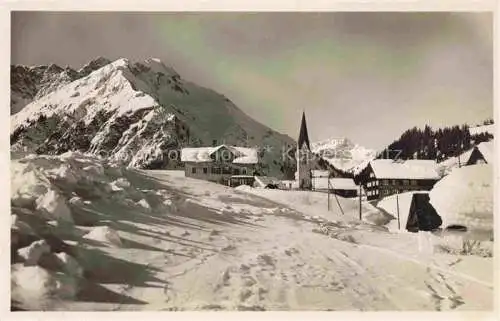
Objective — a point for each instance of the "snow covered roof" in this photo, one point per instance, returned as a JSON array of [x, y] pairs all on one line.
[[335, 183], [486, 149], [243, 155], [319, 173], [409, 169], [465, 197], [482, 129]]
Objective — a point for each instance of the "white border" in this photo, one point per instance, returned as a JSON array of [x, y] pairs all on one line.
[[219, 5]]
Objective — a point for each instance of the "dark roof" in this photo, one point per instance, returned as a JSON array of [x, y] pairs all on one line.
[[303, 136]]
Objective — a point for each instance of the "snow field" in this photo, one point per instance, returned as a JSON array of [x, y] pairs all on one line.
[[203, 246]]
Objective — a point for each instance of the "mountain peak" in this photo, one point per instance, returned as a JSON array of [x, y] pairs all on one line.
[[135, 112], [343, 153]]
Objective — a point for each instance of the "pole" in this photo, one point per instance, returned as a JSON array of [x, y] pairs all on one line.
[[397, 205], [338, 203], [328, 192], [360, 202]]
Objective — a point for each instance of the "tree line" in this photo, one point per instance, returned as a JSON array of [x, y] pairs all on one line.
[[438, 144]]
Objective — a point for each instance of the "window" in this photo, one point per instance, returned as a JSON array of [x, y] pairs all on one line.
[[193, 170], [216, 170], [226, 170], [372, 174], [236, 171], [384, 182], [205, 170], [369, 184], [243, 171], [413, 182], [406, 182]]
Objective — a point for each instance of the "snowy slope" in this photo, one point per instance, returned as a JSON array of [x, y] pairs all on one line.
[[447, 166], [90, 235], [343, 154], [31, 83], [135, 112], [490, 129]]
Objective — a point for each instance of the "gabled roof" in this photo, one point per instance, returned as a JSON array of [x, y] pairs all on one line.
[[303, 135], [335, 183], [243, 155], [409, 169], [320, 173], [486, 149]]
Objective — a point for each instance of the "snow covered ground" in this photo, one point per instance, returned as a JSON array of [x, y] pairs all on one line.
[[95, 236]]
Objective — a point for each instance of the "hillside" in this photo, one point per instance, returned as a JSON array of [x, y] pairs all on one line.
[[135, 113], [31, 83]]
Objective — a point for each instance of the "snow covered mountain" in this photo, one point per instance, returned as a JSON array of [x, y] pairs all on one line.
[[136, 113], [31, 83], [343, 153]]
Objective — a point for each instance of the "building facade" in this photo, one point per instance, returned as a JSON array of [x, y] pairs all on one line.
[[344, 187], [384, 177], [218, 164]]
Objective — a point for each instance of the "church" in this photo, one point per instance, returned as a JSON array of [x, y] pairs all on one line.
[[304, 158]]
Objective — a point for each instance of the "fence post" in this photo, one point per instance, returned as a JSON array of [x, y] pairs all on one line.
[[328, 192], [397, 205], [360, 217]]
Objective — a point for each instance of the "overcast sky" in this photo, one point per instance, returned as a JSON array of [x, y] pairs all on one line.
[[365, 76]]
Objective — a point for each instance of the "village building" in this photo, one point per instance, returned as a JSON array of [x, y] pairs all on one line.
[[344, 187], [288, 184], [237, 180], [384, 177], [481, 154], [220, 163]]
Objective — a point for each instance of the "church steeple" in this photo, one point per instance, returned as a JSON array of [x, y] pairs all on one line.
[[303, 136], [303, 157]]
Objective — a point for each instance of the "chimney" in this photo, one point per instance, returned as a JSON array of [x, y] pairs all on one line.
[[214, 142]]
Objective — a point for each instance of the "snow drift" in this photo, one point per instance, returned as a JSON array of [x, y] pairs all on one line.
[[465, 197]]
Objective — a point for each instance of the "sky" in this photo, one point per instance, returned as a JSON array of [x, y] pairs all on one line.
[[367, 76]]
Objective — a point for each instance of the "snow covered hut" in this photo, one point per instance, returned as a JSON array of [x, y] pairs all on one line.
[[422, 215], [414, 209], [481, 154], [465, 198]]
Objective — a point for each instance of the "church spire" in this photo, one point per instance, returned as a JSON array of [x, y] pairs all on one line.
[[303, 136]]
